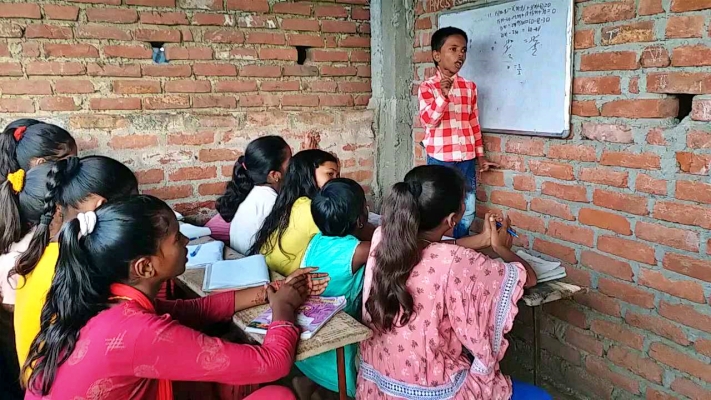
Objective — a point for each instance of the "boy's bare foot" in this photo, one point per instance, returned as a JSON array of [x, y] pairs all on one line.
[[304, 387]]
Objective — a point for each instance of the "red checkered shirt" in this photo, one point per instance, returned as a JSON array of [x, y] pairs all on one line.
[[452, 131]]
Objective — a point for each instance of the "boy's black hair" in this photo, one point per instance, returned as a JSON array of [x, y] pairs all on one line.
[[441, 35], [338, 206]]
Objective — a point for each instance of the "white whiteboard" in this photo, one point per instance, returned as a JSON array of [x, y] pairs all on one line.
[[520, 57]]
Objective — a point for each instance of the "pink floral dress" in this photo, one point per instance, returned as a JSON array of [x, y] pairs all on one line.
[[462, 299]]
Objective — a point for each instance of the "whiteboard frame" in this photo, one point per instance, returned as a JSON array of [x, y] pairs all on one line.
[[568, 70]]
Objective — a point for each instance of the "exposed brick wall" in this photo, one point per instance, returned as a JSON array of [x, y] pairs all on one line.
[[232, 76], [625, 202]]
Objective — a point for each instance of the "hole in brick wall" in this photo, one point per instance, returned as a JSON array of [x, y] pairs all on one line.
[[159, 53], [685, 103], [301, 54]]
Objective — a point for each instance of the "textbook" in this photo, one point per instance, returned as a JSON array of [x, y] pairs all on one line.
[[244, 273], [310, 317]]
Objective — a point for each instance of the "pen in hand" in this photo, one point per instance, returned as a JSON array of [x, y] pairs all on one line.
[[509, 230]]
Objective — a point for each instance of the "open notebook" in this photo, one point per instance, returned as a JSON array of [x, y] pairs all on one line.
[[545, 270], [236, 274], [310, 317]]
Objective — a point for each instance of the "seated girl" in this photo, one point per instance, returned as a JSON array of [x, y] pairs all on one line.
[[261, 168], [289, 227], [105, 335], [340, 212], [426, 301], [51, 194]]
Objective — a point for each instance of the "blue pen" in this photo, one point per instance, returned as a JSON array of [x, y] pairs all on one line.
[[194, 252], [509, 230]]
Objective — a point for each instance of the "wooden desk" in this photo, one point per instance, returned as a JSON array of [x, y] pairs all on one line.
[[339, 332], [535, 297]]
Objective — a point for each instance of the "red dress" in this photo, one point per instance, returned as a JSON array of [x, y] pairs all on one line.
[[123, 351]]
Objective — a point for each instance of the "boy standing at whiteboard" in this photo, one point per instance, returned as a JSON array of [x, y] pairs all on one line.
[[449, 113]]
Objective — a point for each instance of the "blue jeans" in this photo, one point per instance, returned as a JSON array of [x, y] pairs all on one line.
[[468, 170], [525, 391]]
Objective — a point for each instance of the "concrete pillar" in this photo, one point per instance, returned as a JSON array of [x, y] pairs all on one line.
[[392, 38]]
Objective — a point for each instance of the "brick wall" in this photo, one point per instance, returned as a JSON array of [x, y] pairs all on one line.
[[625, 202], [232, 76]]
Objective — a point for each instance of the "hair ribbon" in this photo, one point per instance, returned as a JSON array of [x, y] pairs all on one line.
[[19, 133], [87, 223], [17, 180]]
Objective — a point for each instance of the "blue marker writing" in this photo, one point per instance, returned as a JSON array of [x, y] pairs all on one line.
[[194, 252]]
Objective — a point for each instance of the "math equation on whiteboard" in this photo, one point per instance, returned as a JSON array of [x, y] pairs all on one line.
[[520, 24]]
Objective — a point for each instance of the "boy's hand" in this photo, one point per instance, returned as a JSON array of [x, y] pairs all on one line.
[[445, 84], [485, 165], [311, 140]]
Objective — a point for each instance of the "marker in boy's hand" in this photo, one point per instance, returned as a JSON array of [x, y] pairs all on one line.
[[445, 85]]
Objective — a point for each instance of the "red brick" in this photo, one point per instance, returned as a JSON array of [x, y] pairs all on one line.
[[598, 367], [608, 12], [642, 31], [626, 292], [171, 192], [292, 8], [188, 53], [204, 19], [524, 183], [599, 302], [682, 213], [576, 276], [597, 85], [583, 340], [556, 250], [340, 100], [364, 71], [557, 348], [688, 290], [493, 178], [286, 54], [193, 173], [655, 136], [123, 103], [57, 104], [54, 68], [627, 249], [636, 363], [111, 15], [617, 332], [163, 18], [40, 31], [134, 52], [679, 82], [328, 70], [691, 56], [16, 105], [509, 199], [584, 108], [551, 207], [630, 160], [698, 140], [19, 10], [565, 192], [531, 147], [607, 132], [151, 3], [685, 314], [133, 141], [224, 35], [73, 86], [655, 57], [609, 61], [673, 237], [280, 86], [685, 27], [621, 202], [212, 189], [650, 7], [266, 38], [300, 100], [551, 169], [338, 26], [584, 39], [248, 5], [93, 121], [124, 71], [701, 109], [188, 86], [219, 154], [331, 11], [214, 70], [641, 108], [136, 87], [151, 176], [697, 164], [703, 346], [97, 31], [689, 389], [571, 233], [318, 55], [510, 162], [297, 24], [67, 13], [658, 326], [354, 87], [526, 221], [689, 5], [158, 35], [606, 265], [694, 191], [295, 39], [166, 102], [235, 86], [492, 143], [647, 184], [192, 139], [566, 311], [685, 363], [360, 14], [25, 87]]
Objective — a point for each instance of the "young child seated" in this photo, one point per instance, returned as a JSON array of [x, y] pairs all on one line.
[[288, 229], [340, 212], [426, 301]]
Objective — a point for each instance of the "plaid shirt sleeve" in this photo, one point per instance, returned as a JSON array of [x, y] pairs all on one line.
[[474, 122], [432, 105]]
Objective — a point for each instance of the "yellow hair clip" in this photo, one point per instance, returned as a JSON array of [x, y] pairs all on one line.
[[17, 180]]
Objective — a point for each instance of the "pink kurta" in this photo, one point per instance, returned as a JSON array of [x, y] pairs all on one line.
[[462, 299], [124, 350]]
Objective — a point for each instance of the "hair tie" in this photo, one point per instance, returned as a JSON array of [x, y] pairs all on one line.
[[19, 133], [46, 219], [415, 188], [87, 223], [17, 180]]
